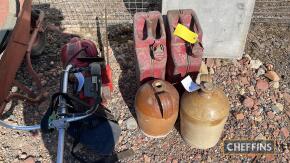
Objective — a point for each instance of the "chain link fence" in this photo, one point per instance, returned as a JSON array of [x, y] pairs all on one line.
[[87, 13]]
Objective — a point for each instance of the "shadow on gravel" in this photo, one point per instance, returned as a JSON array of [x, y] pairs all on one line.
[[49, 69], [121, 42]]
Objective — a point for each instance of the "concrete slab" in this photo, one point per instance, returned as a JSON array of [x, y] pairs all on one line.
[[225, 24]]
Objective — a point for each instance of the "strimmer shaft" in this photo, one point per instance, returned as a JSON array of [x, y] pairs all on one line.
[[62, 109], [60, 124]]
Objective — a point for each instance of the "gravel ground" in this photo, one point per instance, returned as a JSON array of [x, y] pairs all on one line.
[[260, 116], [270, 44]]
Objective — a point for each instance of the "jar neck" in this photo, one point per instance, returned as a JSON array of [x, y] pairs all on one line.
[[206, 89]]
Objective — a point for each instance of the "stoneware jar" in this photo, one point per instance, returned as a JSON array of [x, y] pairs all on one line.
[[203, 115], [157, 107]]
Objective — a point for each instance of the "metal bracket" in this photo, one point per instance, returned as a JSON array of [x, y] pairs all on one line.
[[59, 124]]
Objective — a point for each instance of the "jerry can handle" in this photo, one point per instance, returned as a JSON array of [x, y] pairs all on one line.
[[164, 100]]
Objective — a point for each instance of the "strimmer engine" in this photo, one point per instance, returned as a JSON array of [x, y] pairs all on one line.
[[81, 53], [81, 110]]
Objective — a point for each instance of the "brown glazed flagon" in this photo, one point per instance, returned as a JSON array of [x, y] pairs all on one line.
[[157, 106]]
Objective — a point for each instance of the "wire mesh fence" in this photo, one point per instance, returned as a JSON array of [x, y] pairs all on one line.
[[87, 13], [272, 11]]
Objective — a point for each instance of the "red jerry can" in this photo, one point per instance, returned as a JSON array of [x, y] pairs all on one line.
[[183, 58], [150, 46]]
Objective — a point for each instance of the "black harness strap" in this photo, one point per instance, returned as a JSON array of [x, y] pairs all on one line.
[[52, 107], [45, 120]]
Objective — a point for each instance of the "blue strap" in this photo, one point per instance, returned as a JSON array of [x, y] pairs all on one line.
[[81, 80]]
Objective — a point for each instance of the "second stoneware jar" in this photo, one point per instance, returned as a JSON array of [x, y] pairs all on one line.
[[203, 115], [157, 107]]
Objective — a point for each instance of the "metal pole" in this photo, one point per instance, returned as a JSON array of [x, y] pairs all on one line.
[[60, 146], [62, 109], [107, 40]]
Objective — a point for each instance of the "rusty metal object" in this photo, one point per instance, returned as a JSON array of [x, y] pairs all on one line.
[[33, 37], [19, 45], [24, 88], [203, 115], [157, 106]]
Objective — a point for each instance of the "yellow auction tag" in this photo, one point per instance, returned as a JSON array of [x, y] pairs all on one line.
[[186, 34]]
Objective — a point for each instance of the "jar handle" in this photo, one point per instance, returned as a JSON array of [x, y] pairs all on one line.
[[164, 100], [165, 104]]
